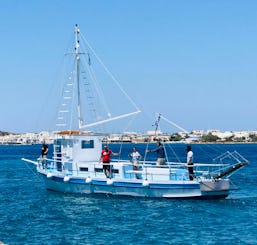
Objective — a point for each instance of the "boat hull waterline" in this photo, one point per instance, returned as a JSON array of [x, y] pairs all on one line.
[[139, 188]]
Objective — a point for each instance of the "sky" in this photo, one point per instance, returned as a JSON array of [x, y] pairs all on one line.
[[195, 62]]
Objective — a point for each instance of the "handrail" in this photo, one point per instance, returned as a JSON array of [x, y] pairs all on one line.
[[211, 170]]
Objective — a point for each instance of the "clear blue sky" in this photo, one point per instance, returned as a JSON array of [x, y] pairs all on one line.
[[193, 61]]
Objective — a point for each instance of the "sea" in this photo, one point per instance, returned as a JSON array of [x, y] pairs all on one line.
[[30, 214]]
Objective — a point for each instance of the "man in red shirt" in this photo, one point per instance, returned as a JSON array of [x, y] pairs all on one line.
[[106, 158]]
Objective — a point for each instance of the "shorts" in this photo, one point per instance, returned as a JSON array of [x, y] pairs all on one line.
[[106, 166], [160, 161]]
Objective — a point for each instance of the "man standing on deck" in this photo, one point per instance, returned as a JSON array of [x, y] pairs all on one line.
[[135, 157], [44, 152], [190, 162], [106, 158], [160, 153]]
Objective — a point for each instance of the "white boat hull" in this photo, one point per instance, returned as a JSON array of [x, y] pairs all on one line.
[[173, 189]]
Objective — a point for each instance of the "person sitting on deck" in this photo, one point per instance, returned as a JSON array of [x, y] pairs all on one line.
[[160, 153], [106, 158]]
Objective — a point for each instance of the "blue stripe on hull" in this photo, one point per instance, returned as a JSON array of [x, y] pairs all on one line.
[[99, 182], [127, 184], [174, 186], [58, 179]]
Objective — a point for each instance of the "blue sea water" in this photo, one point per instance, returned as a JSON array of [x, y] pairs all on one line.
[[29, 214]]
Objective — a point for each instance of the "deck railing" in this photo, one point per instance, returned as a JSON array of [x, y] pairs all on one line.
[[147, 170]]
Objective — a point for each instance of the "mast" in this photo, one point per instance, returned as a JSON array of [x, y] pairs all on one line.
[[80, 119], [156, 124]]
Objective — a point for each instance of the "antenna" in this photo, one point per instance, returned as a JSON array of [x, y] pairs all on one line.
[[156, 124]]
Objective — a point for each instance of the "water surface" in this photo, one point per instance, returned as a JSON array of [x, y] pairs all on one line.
[[29, 214]]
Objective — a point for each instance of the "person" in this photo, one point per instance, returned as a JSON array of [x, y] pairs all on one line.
[[106, 158], [160, 153], [44, 151], [135, 158], [190, 162]]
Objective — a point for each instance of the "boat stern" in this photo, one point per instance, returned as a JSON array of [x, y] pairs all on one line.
[[216, 188]]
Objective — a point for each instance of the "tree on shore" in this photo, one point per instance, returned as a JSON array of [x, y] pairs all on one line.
[[209, 138], [3, 133], [175, 137], [253, 137]]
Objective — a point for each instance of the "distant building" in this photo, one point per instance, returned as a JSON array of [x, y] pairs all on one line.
[[153, 132], [151, 136]]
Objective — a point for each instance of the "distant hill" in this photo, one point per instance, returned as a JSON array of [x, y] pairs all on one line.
[[4, 133]]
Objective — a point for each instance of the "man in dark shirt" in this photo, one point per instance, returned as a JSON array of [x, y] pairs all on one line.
[[44, 152], [160, 153]]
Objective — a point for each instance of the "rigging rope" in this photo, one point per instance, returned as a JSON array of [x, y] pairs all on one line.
[[72, 101], [35, 174], [98, 88], [174, 153], [109, 72]]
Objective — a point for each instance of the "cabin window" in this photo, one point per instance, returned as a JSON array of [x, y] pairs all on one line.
[[83, 169], [87, 144], [67, 142], [64, 142], [98, 170], [57, 142], [116, 171]]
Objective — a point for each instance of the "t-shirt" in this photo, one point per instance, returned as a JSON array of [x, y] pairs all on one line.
[[106, 155], [190, 154], [44, 149], [160, 151], [135, 156]]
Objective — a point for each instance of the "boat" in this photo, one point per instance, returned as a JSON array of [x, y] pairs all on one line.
[[75, 165]]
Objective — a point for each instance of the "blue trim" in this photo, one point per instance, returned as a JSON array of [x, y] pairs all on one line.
[[56, 178], [72, 181], [127, 184], [77, 181], [99, 182], [174, 186]]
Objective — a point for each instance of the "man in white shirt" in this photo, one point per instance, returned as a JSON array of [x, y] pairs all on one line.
[[135, 157], [190, 162]]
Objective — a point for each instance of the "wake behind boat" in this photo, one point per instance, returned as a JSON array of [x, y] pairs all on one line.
[[75, 166]]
